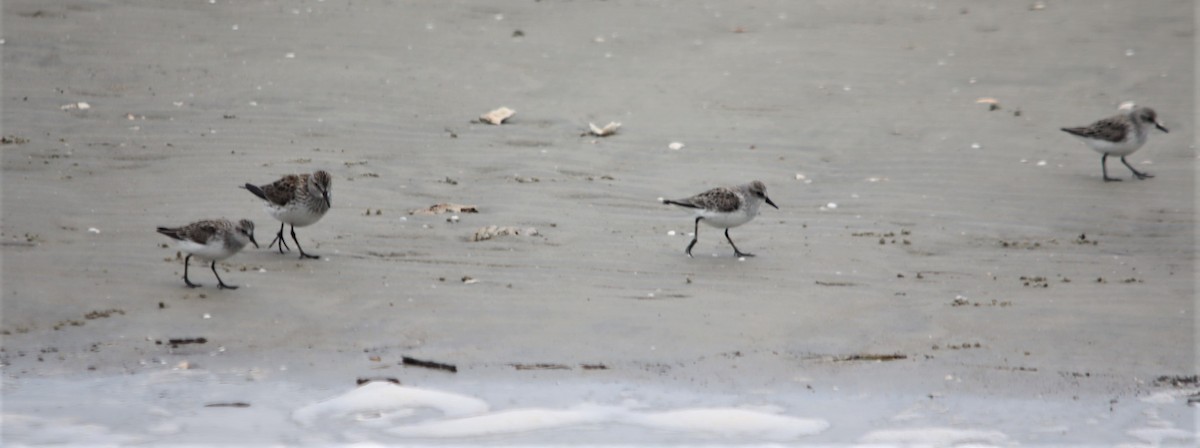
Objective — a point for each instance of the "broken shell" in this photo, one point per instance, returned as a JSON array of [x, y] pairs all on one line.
[[607, 130], [675, 146], [497, 116]]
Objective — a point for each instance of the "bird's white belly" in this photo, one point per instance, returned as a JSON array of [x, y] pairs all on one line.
[[1119, 149], [725, 220], [211, 252], [296, 216]]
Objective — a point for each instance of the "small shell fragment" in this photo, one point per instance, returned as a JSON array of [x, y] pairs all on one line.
[[76, 106], [675, 146], [497, 116], [987, 100], [93, 230], [607, 130]]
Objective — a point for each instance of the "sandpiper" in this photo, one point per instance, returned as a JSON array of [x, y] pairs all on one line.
[[296, 199], [1119, 135], [213, 240], [725, 208]]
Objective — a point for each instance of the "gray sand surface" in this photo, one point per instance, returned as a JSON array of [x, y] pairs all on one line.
[[1073, 295]]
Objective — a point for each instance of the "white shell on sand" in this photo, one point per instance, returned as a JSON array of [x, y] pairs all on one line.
[[497, 116], [607, 130]]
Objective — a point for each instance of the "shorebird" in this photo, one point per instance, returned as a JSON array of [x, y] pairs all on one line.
[[725, 208], [213, 240], [1119, 135], [296, 199]]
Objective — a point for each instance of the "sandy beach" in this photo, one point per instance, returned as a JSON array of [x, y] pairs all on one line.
[[940, 270]]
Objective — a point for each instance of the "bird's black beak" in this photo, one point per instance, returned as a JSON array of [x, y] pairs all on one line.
[[328, 203], [253, 241], [1161, 127], [765, 198]]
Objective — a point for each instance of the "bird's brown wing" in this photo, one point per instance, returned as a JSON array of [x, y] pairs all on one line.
[[1111, 129], [283, 190], [720, 199], [199, 232]]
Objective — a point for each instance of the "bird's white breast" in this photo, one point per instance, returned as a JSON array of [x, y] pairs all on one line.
[[725, 220], [1121, 148], [215, 250], [296, 215]]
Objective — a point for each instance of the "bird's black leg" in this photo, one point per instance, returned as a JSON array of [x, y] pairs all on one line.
[[736, 252], [302, 254], [185, 269], [1104, 169], [279, 238], [221, 283], [1138, 174], [695, 237]]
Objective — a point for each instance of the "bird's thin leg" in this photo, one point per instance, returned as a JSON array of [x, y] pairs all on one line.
[[279, 238], [185, 269], [301, 249], [1104, 169], [695, 237], [736, 252], [1138, 174], [221, 283]]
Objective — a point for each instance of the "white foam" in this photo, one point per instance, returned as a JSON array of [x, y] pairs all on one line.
[[1156, 436], [934, 436], [504, 422], [42, 431], [379, 405], [383, 397], [1159, 398], [730, 422]]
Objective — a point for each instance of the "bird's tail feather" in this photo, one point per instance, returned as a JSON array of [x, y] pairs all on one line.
[[173, 233], [257, 191], [1075, 131], [681, 204]]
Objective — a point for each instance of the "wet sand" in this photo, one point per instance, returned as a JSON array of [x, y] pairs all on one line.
[[979, 245]]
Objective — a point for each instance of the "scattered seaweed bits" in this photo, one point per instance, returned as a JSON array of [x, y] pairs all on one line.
[[447, 207], [410, 361], [489, 232]]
